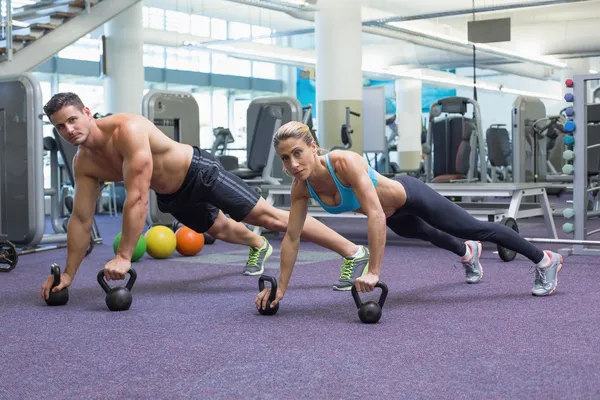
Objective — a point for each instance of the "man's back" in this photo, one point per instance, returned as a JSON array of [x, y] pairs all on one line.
[[122, 135]]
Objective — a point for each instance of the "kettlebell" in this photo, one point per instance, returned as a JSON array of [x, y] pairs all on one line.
[[370, 311], [118, 298], [61, 297], [261, 287]]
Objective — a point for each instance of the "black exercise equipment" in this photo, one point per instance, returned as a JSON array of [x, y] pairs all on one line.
[[8, 255], [118, 298], [61, 297], [347, 131], [261, 286], [504, 253], [370, 311], [223, 137]]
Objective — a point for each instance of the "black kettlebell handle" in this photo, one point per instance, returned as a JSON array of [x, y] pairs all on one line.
[[261, 285], [107, 289], [384, 292], [55, 272]]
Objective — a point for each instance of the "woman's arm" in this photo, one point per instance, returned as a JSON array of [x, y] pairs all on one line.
[[351, 168], [289, 245], [291, 240]]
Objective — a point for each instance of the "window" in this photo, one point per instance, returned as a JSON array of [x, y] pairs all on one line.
[[154, 56], [153, 18], [46, 91], [201, 60], [222, 64], [219, 63], [84, 49], [259, 31], [200, 25], [238, 130], [220, 109], [218, 29], [238, 30], [92, 96], [264, 70], [188, 59], [239, 67], [205, 107], [176, 21]]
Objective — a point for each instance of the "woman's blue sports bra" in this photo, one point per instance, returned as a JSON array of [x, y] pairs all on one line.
[[348, 200]]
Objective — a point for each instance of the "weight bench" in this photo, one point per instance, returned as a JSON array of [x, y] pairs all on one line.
[[491, 212]]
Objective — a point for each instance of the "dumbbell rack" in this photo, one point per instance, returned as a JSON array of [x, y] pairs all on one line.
[[577, 126]]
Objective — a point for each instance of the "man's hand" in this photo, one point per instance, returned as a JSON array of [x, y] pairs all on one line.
[[366, 283], [117, 269], [65, 281]]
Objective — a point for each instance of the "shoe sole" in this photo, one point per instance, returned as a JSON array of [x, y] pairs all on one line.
[[479, 248], [342, 289], [346, 288], [555, 286], [262, 265]]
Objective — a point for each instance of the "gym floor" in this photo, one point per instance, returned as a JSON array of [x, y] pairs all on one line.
[[193, 330]]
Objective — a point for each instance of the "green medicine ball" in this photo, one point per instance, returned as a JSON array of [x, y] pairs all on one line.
[[139, 251]]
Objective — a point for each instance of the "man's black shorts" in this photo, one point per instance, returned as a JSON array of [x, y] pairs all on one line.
[[206, 189]]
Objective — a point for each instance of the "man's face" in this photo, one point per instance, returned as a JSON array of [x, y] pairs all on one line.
[[72, 124]]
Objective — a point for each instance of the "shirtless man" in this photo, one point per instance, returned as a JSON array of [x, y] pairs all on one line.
[[189, 183]]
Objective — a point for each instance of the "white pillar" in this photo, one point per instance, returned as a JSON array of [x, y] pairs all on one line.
[[408, 122], [124, 83], [338, 38]]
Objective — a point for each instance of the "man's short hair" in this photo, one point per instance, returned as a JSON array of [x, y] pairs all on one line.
[[60, 100]]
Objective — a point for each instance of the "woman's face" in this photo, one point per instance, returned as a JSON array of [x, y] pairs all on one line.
[[298, 158]]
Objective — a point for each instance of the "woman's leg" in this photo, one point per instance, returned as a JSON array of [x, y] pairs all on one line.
[[411, 226], [446, 216]]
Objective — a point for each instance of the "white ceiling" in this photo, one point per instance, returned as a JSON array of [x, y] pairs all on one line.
[[562, 29]]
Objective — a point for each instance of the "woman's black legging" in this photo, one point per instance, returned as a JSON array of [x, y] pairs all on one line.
[[429, 216]]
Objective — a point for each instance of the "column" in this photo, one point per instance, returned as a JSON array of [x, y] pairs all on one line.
[[409, 123], [338, 38], [124, 83]]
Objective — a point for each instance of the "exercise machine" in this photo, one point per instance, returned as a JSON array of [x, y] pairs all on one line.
[[22, 192], [455, 148], [223, 138], [346, 132], [177, 115], [264, 117]]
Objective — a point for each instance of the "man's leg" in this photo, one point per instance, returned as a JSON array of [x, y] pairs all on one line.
[[356, 258], [230, 231]]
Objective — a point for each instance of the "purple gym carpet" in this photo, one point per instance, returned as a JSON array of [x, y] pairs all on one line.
[[193, 332]]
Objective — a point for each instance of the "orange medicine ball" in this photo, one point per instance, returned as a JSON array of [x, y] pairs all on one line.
[[189, 242]]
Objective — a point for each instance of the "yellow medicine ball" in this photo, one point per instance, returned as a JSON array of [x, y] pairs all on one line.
[[160, 241]]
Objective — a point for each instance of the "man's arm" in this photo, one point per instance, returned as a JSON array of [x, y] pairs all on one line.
[[291, 240], [350, 166], [134, 145], [81, 220]]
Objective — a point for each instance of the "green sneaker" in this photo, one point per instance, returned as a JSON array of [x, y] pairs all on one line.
[[257, 259], [352, 269]]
